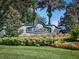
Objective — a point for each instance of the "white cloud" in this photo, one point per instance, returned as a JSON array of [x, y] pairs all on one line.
[[55, 23]]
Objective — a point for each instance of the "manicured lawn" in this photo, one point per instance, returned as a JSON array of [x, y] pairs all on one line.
[[29, 52]]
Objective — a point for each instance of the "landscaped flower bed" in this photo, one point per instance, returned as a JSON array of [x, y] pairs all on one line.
[[59, 42], [26, 41], [66, 45]]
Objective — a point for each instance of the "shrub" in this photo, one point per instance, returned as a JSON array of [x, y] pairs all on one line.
[[29, 41], [10, 42], [39, 41], [69, 39], [66, 45], [74, 36], [26, 41]]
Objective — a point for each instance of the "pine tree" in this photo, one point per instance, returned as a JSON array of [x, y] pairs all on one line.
[[12, 21]]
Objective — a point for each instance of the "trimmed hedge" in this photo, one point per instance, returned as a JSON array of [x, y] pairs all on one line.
[[39, 41], [26, 41], [66, 45], [29, 41]]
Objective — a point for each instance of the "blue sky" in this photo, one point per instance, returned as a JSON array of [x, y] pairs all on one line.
[[55, 15], [68, 1]]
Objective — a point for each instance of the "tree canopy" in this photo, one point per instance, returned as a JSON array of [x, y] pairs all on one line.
[[18, 11]]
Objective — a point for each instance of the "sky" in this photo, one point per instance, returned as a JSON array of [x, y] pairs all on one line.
[[56, 15]]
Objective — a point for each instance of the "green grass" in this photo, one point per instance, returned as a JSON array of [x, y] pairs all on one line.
[[29, 52]]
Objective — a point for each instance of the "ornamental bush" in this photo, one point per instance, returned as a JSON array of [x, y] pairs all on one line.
[[26, 41], [66, 45], [39, 41]]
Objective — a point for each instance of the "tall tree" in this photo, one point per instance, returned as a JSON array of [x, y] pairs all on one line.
[[51, 6], [11, 21], [4, 6], [71, 16]]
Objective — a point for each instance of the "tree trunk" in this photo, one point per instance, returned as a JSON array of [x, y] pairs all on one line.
[[49, 23]]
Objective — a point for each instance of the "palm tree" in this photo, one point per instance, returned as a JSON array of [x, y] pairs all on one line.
[[49, 10], [51, 6]]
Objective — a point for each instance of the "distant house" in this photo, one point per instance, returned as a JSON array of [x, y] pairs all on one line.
[[39, 27]]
